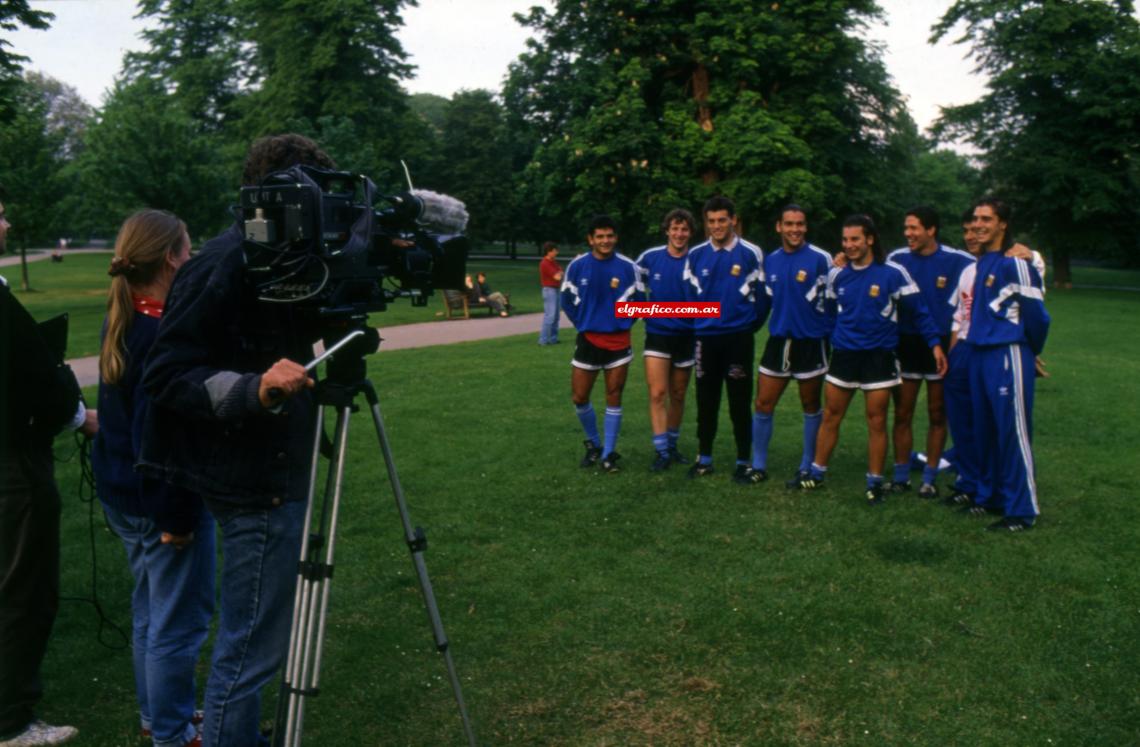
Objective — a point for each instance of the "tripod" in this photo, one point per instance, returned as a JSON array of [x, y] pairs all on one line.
[[345, 380]]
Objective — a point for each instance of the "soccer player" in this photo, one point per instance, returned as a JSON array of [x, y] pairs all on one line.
[[670, 347], [594, 282], [935, 269], [795, 280], [1008, 327], [727, 270], [866, 296]]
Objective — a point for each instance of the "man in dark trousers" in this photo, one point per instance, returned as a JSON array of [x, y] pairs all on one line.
[[39, 397], [232, 419]]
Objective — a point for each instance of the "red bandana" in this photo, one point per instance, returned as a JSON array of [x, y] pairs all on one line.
[[148, 306]]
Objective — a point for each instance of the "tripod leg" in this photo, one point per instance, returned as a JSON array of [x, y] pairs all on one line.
[[417, 543], [311, 597]]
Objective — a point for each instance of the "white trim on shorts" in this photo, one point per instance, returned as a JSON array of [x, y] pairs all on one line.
[[802, 376], [865, 387], [666, 356], [590, 367], [921, 377]]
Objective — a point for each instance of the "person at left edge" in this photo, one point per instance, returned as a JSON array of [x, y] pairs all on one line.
[[168, 537], [232, 419], [670, 348], [39, 397], [594, 283]]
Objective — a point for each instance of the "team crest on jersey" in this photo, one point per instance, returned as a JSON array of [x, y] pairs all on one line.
[[614, 282], [801, 276], [874, 291], [989, 281], [941, 282], [735, 270]]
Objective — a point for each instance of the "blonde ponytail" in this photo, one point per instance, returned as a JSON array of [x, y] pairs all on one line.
[[141, 248]]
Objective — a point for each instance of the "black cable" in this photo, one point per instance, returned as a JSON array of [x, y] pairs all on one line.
[[86, 493]]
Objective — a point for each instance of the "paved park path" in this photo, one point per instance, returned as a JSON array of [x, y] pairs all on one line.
[[419, 335]]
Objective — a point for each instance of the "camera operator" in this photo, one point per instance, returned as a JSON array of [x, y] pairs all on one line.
[[39, 396], [232, 419]]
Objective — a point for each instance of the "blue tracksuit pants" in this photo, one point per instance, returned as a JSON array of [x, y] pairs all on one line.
[[960, 416], [1001, 380]]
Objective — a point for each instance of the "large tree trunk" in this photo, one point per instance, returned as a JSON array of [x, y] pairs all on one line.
[[1062, 270], [699, 84]]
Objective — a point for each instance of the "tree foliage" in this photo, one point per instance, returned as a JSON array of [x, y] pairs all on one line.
[[1060, 124], [638, 107], [13, 14]]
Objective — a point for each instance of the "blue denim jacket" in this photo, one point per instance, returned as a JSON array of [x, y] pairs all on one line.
[[206, 429]]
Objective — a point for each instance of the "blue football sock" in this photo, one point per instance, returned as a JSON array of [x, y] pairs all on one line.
[[817, 472], [928, 474], [589, 422], [812, 422], [873, 480], [704, 459], [613, 428], [661, 443], [761, 436], [674, 435], [902, 472]]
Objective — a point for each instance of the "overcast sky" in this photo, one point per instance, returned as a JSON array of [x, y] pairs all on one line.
[[458, 44]]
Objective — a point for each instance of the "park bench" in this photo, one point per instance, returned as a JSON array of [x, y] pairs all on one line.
[[456, 302]]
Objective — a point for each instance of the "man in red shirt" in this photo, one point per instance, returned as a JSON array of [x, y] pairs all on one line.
[[550, 275]]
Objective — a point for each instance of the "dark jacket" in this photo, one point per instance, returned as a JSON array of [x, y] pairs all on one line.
[[38, 392], [206, 430], [122, 412]]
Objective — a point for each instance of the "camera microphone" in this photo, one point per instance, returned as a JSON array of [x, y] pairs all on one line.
[[440, 213]]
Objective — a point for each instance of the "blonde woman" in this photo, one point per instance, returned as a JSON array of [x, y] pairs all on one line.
[[168, 535]]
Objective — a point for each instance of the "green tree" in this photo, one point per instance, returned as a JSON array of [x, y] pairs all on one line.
[[13, 14], [194, 52], [68, 114], [318, 59], [476, 160], [1059, 127], [29, 165], [146, 151], [638, 107]]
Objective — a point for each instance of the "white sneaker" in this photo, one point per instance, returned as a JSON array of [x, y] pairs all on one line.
[[39, 733]]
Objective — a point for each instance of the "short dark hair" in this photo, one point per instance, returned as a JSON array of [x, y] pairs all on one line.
[[1004, 213], [678, 214], [968, 216], [791, 207], [717, 203], [278, 152], [864, 221], [927, 216], [547, 246], [600, 221]]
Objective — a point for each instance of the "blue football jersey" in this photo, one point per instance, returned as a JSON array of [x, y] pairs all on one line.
[[592, 286], [937, 277], [796, 283], [733, 277], [867, 300], [663, 279], [1009, 304]]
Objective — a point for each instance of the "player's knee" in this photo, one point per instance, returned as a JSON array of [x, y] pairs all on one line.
[[657, 396], [765, 405], [877, 421]]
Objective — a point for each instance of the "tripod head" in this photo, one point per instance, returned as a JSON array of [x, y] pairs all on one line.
[[347, 367]]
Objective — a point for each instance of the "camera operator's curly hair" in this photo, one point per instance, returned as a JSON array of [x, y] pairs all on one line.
[[278, 152]]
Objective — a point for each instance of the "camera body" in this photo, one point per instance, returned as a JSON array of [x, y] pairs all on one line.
[[315, 238]]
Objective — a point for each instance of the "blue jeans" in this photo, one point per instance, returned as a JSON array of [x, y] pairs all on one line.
[[260, 551], [551, 305], [171, 607]]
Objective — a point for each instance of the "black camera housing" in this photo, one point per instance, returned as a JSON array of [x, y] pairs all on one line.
[[315, 238]]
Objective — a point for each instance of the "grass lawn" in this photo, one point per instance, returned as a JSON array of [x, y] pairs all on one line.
[[638, 609]]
